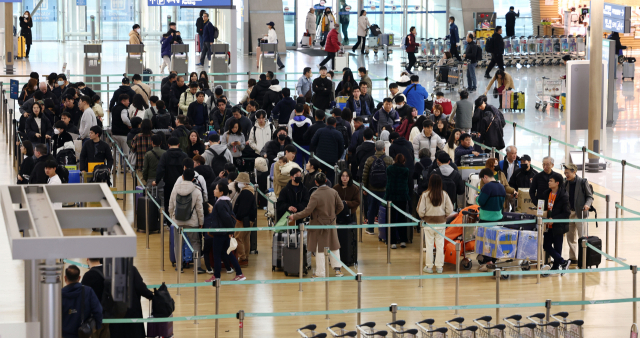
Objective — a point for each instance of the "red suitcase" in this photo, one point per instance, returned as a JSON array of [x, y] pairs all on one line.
[[163, 329]]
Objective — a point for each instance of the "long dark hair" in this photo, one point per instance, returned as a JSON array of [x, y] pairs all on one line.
[[350, 183], [139, 102], [233, 123], [198, 136], [452, 138], [435, 190], [420, 121], [362, 12], [400, 160], [145, 127]]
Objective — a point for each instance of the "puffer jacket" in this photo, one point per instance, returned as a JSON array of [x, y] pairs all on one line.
[[332, 45], [491, 131], [183, 189], [259, 90], [433, 142], [259, 136], [185, 100], [271, 98]]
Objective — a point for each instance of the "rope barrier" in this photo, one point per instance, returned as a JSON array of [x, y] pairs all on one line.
[[618, 206], [68, 261], [608, 256], [127, 192], [342, 263]]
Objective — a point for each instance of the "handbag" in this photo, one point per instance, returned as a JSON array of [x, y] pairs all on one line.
[[87, 327], [495, 92]]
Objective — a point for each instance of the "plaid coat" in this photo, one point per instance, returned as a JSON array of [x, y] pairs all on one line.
[[140, 145]]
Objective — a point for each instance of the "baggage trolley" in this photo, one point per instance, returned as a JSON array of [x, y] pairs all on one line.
[[545, 329], [402, 333], [312, 331], [430, 331], [455, 77], [569, 329], [546, 89], [459, 330], [468, 235], [367, 330], [342, 332], [487, 331], [516, 329]]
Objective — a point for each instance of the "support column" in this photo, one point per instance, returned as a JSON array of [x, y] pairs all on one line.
[[595, 82], [31, 291], [51, 299], [8, 37]]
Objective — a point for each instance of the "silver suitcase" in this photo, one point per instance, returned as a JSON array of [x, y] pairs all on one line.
[[628, 70]]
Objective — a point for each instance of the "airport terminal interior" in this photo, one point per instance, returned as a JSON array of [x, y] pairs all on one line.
[[275, 305]]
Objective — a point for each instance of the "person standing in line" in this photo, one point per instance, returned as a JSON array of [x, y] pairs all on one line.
[[397, 191], [580, 200], [510, 19], [497, 50], [200, 28], [557, 205], [434, 207], [412, 48], [94, 278], [332, 46], [138, 289], [207, 38], [454, 38], [323, 92], [462, 113], [76, 299], [134, 37], [88, 119], [303, 87], [363, 26], [26, 23], [245, 210], [310, 26], [374, 179], [272, 37], [169, 168], [470, 56], [324, 206]]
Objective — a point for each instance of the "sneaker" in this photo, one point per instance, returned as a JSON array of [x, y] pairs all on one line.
[[210, 272], [483, 268], [487, 76], [280, 68], [316, 276], [181, 270], [565, 266], [427, 270], [201, 271], [244, 262], [239, 278], [439, 270], [210, 279], [369, 232], [231, 271], [339, 273], [198, 64], [403, 245], [393, 246]]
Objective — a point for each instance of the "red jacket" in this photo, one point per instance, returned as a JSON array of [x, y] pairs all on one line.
[[332, 45], [411, 44]]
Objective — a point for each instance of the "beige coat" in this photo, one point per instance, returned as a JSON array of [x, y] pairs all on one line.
[[134, 39], [323, 207], [142, 89], [363, 24]]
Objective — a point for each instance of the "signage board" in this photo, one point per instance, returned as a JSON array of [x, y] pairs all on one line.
[[616, 25], [619, 12], [191, 3], [14, 88]]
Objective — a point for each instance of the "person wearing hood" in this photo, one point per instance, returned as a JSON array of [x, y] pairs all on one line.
[[74, 294], [134, 37], [357, 104], [150, 164], [245, 210], [125, 88], [310, 26], [523, 176], [452, 181], [277, 144], [282, 104], [261, 133], [170, 168], [245, 123], [297, 127], [386, 116], [260, 89], [184, 188], [384, 137], [416, 94], [491, 126]]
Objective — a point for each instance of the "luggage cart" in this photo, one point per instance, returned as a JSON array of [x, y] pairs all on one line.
[[546, 89], [580, 47], [459, 330], [548, 50], [439, 48], [455, 77], [431, 332], [569, 329], [539, 50], [402, 333], [508, 53], [524, 51], [312, 331], [342, 332], [545, 329], [488, 331], [516, 329], [517, 50], [367, 330], [481, 42], [468, 235], [531, 49]]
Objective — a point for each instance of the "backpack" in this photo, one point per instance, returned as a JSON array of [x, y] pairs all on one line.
[[345, 134], [378, 173], [63, 173], [162, 305], [164, 120], [218, 161], [101, 174], [478, 53], [183, 210], [489, 45], [66, 157], [111, 308], [405, 43], [216, 32]]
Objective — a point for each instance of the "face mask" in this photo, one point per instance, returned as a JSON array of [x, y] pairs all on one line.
[[34, 88], [56, 131], [297, 180], [525, 166], [60, 83], [138, 30], [240, 185], [282, 137]]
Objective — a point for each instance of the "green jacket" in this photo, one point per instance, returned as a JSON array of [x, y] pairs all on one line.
[[397, 183], [151, 163], [367, 168]]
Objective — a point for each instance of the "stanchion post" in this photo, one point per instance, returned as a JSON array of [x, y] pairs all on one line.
[[584, 159], [196, 260], [493, 152], [624, 165], [216, 284], [634, 271], [606, 234], [540, 227], [162, 239], [422, 253], [616, 236], [178, 241], [326, 283], [457, 278], [336, 174], [146, 211], [584, 275], [547, 306], [124, 196], [514, 133], [240, 316], [389, 232], [361, 210], [301, 247], [359, 305], [498, 276], [394, 312], [549, 137]]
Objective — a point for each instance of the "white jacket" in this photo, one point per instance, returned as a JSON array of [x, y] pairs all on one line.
[[259, 136], [431, 214], [432, 142], [186, 99], [414, 132], [272, 37], [310, 23], [363, 23]]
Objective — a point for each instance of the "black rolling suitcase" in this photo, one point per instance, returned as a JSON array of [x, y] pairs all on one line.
[[348, 239], [474, 160], [517, 216], [593, 258], [141, 214], [291, 254]]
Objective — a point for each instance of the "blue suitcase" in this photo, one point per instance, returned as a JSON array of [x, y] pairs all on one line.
[[382, 219], [75, 176], [187, 254]]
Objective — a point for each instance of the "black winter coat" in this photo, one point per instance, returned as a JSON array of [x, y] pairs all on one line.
[[404, 147], [308, 135], [363, 152], [165, 92], [491, 130], [452, 190], [95, 280], [121, 90], [170, 166], [290, 198], [176, 91], [269, 101], [522, 178], [561, 210], [38, 175], [207, 172], [272, 148], [245, 206], [497, 43], [25, 169], [136, 330], [539, 184], [259, 90], [31, 129], [89, 155], [25, 29], [328, 145], [322, 93]]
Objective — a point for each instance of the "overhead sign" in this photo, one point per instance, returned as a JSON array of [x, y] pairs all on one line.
[[10, 0], [81, 2], [191, 3], [615, 25], [617, 18]]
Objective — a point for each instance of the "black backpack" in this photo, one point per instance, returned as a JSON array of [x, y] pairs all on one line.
[[345, 134], [63, 173], [216, 32], [101, 174], [378, 173], [218, 162], [164, 120], [162, 305], [111, 308], [66, 157], [478, 53], [489, 45]]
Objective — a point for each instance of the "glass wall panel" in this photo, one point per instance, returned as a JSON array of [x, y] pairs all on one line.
[[348, 19], [438, 22], [416, 17], [186, 23], [374, 12], [45, 26], [288, 32], [523, 23], [117, 18], [393, 19]]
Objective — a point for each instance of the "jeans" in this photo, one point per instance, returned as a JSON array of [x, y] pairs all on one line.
[[360, 39], [220, 246], [374, 206], [345, 34], [121, 141], [412, 60], [205, 49], [330, 56], [200, 130], [472, 83], [496, 59], [280, 64], [553, 246]]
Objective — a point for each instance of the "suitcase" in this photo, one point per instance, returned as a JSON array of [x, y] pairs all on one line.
[[348, 239], [141, 215], [517, 216], [291, 254], [628, 68], [382, 219], [474, 160], [276, 250], [146, 78], [517, 101], [593, 258], [198, 47], [75, 176], [187, 255], [163, 329], [474, 180], [22, 48], [341, 62], [506, 99]]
